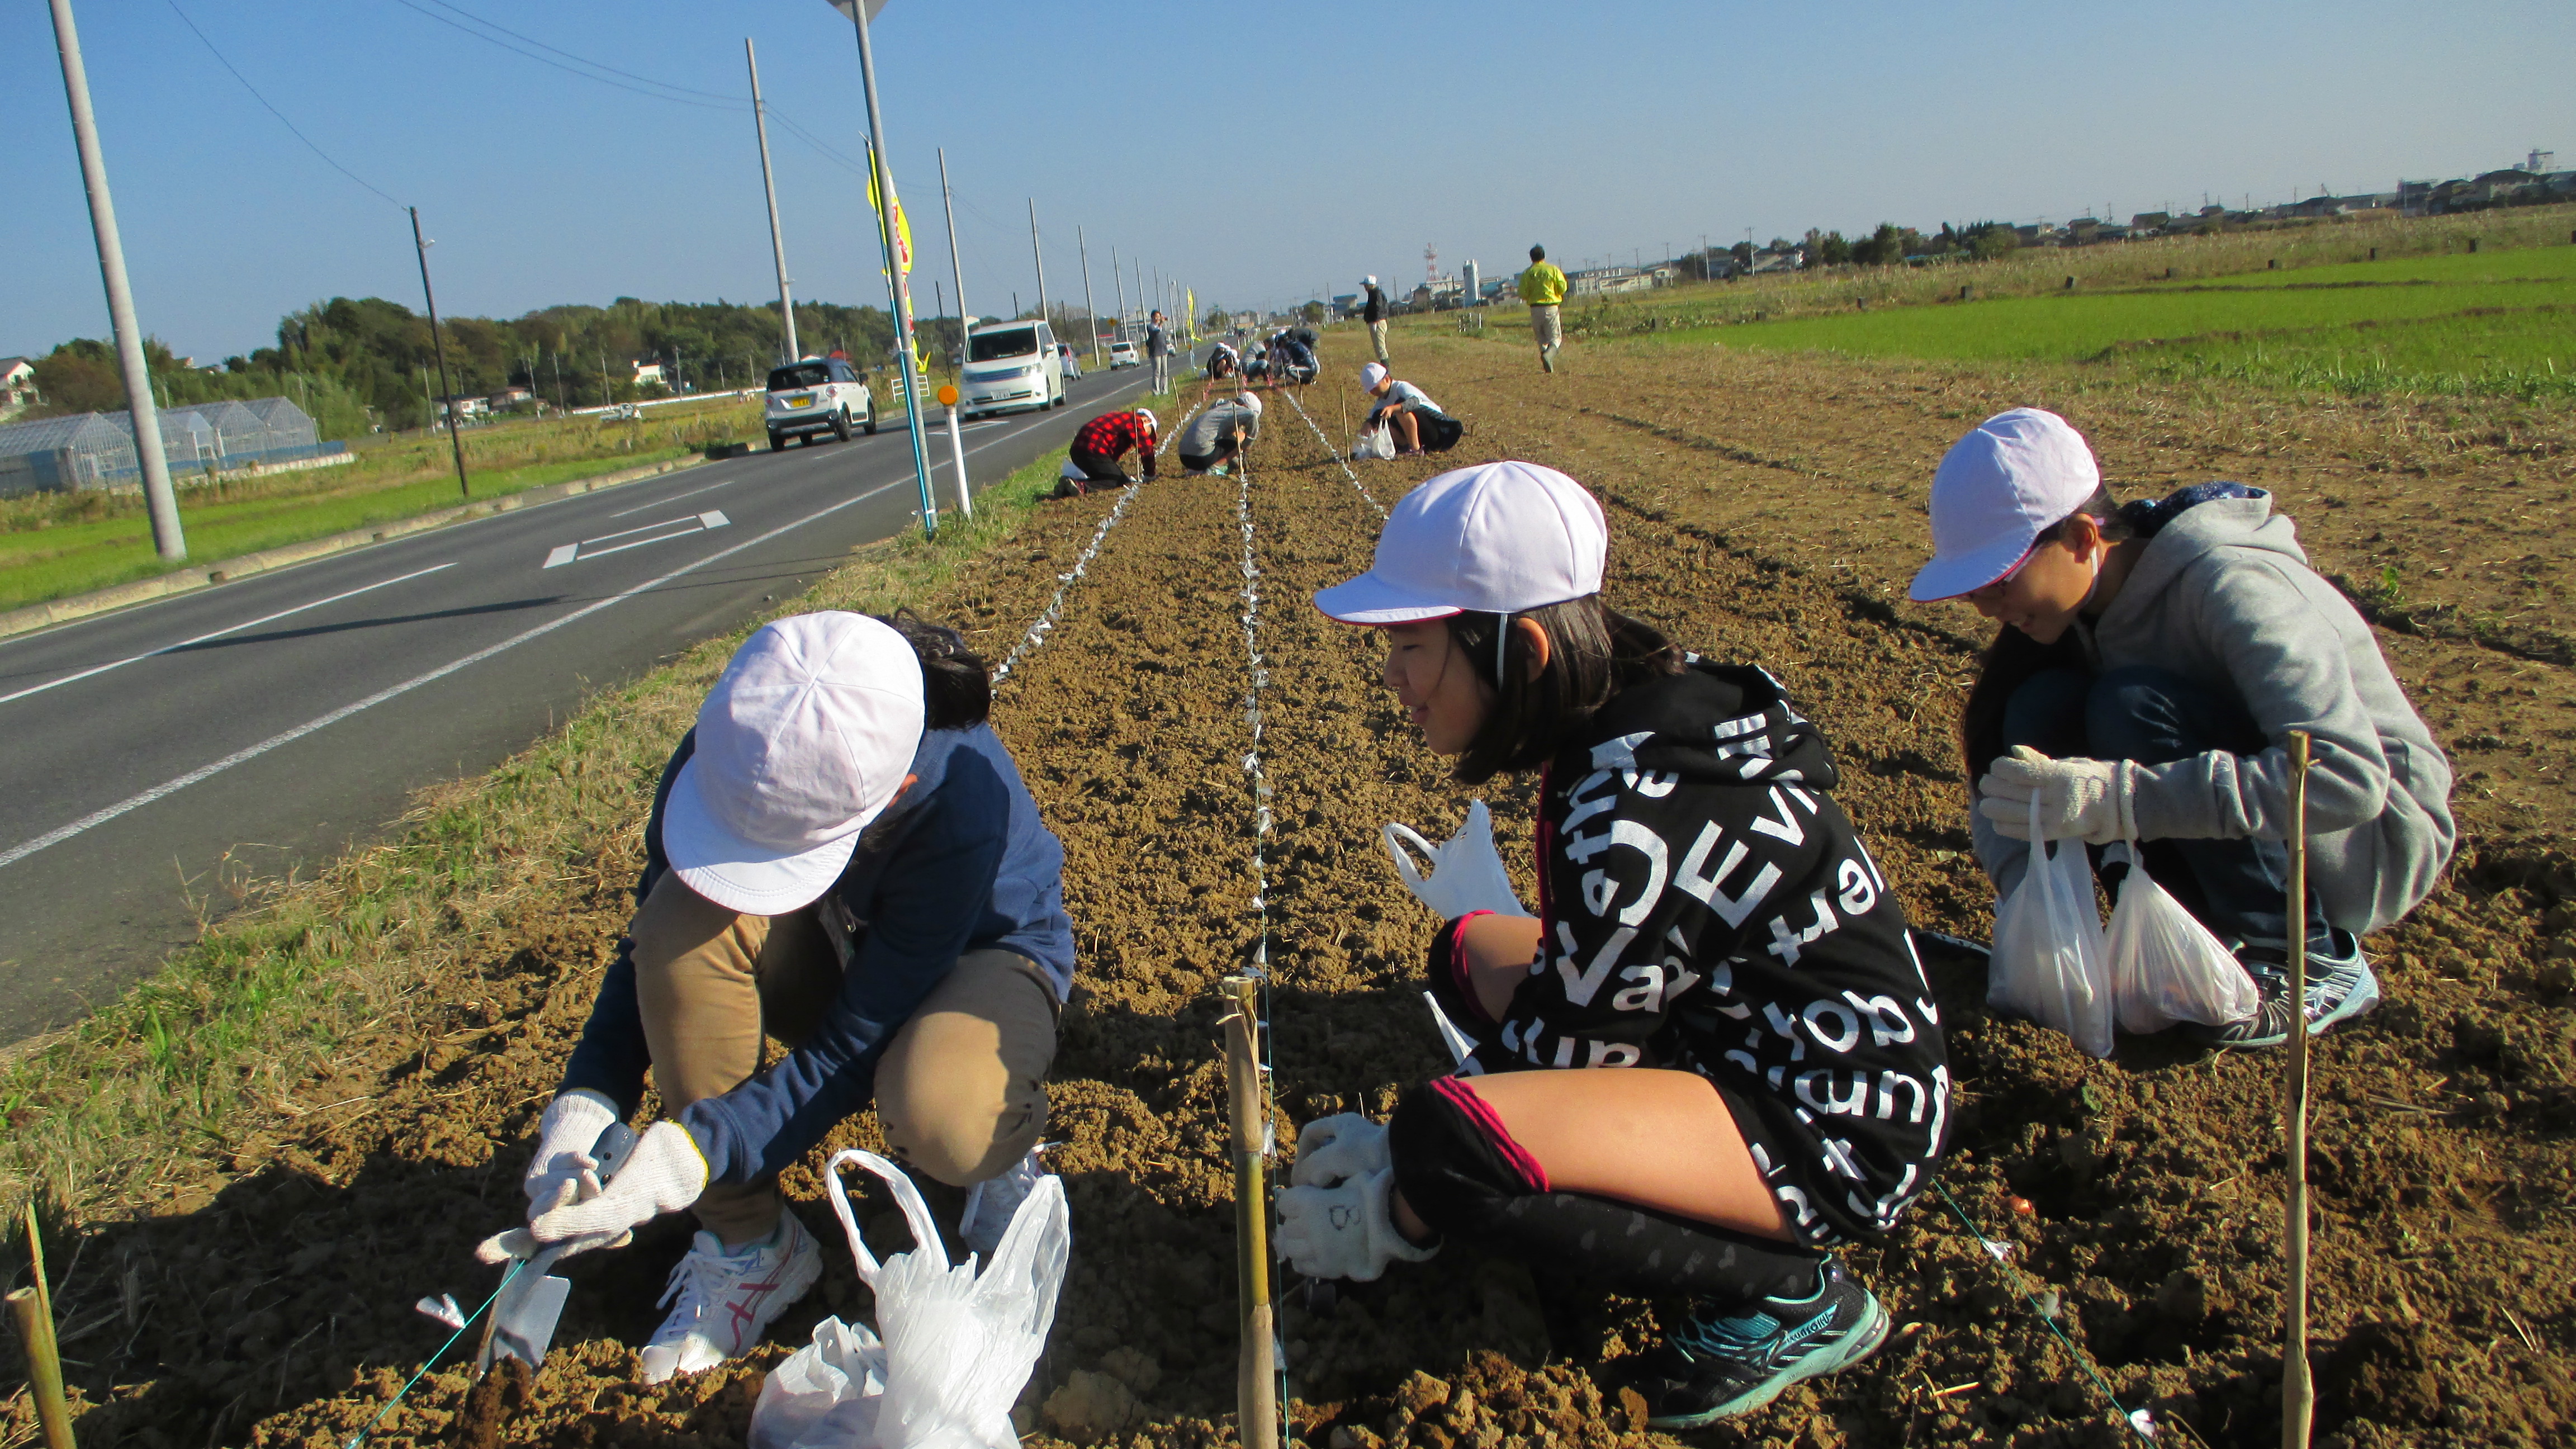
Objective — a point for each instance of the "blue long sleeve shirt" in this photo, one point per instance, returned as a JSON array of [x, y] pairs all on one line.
[[961, 863]]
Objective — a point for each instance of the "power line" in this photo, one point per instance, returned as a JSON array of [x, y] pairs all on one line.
[[585, 60], [659, 95], [272, 109]]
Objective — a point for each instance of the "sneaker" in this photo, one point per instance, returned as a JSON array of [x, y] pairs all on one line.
[[2340, 986], [722, 1301], [992, 1203], [1715, 1367]]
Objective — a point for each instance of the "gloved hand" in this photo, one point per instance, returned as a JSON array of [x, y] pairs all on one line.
[[1466, 871], [1343, 1232], [566, 1134], [1332, 1150], [2087, 800], [664, 1174]]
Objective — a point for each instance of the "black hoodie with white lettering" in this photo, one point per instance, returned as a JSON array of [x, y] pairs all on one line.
[[1706, 905]]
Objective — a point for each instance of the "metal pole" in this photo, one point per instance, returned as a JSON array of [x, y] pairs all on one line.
[[777, 243], [1118, 279], [2298, 1395], [956, 268], [912, 398], [167, 540], [1039, 255], [439, 345], [1256, 1384], [1091, 319]]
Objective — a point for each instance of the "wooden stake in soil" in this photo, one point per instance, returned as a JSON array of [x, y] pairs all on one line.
[[34, 1310], [1257, 1372], [2298, 1395]]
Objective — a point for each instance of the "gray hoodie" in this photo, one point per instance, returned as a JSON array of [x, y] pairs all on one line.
[[2224, 597]]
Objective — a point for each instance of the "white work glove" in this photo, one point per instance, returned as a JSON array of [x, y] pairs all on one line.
[[566, 1134], [1332, 1150], [1466, 871], [2087, 800], [664, 1174], [1343, 1232]]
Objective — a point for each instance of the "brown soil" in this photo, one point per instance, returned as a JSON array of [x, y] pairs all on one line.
[[1767, 511]]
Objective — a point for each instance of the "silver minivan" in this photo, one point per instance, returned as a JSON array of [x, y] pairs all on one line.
[[1010, 366]]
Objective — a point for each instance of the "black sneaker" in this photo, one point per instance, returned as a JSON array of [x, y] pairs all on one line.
[[2340, 986], [1713, 1367]]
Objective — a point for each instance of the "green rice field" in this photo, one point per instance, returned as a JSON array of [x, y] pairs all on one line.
[[2494, 322]]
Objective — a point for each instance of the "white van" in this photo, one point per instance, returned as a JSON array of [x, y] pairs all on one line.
[[1010, 366], [818, 395]]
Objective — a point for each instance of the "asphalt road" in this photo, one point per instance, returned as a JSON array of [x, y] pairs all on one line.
[[270, 724]]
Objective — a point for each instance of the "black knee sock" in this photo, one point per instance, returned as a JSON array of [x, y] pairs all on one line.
[[1463, 1175]]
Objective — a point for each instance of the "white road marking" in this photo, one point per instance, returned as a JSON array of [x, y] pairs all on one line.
[[674, 498], [219, 633], [564, 553]]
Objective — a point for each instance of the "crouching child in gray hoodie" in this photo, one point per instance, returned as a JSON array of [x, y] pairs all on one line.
[[2153, 660]]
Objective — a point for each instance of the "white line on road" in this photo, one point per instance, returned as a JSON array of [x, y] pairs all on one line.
[[219, 633], [97, 818], [564, 553], [674, 498]]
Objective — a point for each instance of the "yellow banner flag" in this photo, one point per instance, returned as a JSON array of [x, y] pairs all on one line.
[[1190, 309], [902, 223]]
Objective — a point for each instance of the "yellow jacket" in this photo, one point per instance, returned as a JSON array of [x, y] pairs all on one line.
[[1542, 285]]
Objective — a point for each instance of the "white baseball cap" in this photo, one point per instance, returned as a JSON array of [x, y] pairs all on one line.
[[1150, 421], [802, 743], [2012, 476], [1371, 376], [1368, 282], [1495, 539]]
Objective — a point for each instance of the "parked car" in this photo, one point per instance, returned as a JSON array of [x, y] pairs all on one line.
[[1010, 366], [1122, 353], [815, 396], [1072, 363]]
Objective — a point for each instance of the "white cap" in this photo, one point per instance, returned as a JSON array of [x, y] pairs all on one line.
[[1247, 400], [1368, 281], [1148, 415], [2012, 476], [1496, 539], [802, 743], [1371, 376]]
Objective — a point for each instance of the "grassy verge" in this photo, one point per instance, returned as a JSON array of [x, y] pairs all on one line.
[[105, 1118]]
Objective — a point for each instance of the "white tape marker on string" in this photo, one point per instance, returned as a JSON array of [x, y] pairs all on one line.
[[1258, 676], [1337, 456]]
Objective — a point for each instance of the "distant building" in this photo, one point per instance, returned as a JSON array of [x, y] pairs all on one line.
[[467, 408], [1609, 281], [512, 397], [17, 383], [649, 374], [2541, 163]]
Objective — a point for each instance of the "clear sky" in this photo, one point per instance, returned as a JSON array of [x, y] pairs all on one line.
[[1263, 153]]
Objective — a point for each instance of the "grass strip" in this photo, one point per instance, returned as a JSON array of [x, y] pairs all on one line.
[[106, 1117]]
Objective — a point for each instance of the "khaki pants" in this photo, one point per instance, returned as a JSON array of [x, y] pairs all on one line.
[[1377, 339], [960, 1093], [1545, 327]]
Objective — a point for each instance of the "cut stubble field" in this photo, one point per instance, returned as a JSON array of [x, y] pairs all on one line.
[[1766, 509]]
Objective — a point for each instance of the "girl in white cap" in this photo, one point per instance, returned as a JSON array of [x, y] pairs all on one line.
[[2153, 660], [1711, 1055], [842, 856], [1417, 422]]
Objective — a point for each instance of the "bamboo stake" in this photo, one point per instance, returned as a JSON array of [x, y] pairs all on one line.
[[1257, 1372], [2298, 1395], [34, 1309]]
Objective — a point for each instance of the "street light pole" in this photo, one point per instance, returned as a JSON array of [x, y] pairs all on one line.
[[777, 243], [167, 540], [888, 239], [1039, 255], [438, 345], [1091, 319]]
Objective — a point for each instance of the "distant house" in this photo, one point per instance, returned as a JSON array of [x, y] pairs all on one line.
[[511, 397], [649, 374], [17, 383], [1787, 259], [2150, 221], [467, 408], [1609, 281]]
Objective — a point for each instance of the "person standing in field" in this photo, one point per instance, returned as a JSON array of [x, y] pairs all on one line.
[[1373, 311], [1158, 346], [2153, 659], [1711, 1057], [1543, 287]]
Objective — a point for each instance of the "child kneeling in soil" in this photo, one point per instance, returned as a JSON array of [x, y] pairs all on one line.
[[1417, 423], [840, 855], [1098, 448], [1757, 1070], [2153, 659]]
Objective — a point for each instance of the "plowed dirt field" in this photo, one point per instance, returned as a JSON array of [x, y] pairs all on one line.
[[1765, 510]]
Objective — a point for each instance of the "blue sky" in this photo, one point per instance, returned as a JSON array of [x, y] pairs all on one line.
[[1261, 153]]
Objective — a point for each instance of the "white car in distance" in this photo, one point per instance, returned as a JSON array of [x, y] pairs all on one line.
[[816, 396], [1010, 366], [1122, 353]]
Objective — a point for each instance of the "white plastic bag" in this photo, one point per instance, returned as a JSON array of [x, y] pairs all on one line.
[[2048, 961], [2166, 968], [1466, 872], [1377, 442], [957, 1346]]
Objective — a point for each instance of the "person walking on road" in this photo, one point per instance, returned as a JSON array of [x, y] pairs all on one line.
[[1158, 347], [841, 856], [1543, 287], [1374, 313]]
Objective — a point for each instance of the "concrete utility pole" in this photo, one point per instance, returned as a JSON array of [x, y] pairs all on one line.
[[1039, 255], [438, 344], [1090, 318], [777, 244], [1118, 279], [167, 540], [956, 268], [889, 239]]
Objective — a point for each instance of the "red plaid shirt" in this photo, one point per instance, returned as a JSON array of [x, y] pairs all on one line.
[[1110, 435]]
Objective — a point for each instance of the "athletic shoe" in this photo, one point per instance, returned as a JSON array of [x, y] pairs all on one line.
[[2340, 986], [991, 1204], [1715, 1366], [722, 1301]]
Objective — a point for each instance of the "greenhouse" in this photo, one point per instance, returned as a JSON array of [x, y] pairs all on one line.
[[96, 450]]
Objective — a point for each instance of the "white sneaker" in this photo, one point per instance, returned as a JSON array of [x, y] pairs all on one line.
[[992, 1203], [722, 1302]]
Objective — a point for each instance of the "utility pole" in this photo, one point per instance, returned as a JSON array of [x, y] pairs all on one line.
[[167, 540], [777, 243], [956, 268], [438, 344], [889, 239], [1091, 319], [1118, 279], [1040, 256], [1139, 269]]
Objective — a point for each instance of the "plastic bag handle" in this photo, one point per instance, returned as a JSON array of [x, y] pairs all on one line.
[[1413, 874], [925, 1232]]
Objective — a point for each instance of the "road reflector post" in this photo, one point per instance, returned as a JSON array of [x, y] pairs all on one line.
[[957, 449]]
